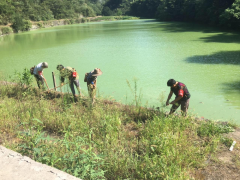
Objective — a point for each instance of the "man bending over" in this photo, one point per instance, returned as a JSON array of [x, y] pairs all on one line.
[[182, 96]]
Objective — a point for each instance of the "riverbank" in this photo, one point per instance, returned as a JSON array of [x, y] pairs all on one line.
[[112, 140], [5, 30]]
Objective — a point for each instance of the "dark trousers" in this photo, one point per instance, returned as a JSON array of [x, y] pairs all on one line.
[[39, 80], [184, 107]]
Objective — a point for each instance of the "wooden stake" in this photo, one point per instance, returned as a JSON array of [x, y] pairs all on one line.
[[54, 81]]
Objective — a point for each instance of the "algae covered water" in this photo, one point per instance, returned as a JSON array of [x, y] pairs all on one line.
[[206, 59]]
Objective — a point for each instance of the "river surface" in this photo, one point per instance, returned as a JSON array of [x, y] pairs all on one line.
[[206, 59]]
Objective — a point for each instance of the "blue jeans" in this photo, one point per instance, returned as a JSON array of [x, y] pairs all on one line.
[[77, 84]]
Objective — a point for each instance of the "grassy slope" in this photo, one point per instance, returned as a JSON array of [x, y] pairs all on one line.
[[109, 140]]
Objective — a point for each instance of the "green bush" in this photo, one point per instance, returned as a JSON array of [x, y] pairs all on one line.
[[20, 24], [24, 78], [3, 20], [87, 11], [78, 21], [84, 20], [66, 21], [227, 142], [107, 11], [209, 129], [40, 25], [27, 25], [72, 21], [6, 30], [119, 12]]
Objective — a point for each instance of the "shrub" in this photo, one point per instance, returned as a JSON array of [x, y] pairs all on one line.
[[72, 21], [66, 21], [107, 11], [40, 25], [227, 142], [87, 11], [3, 20], [78, 21], [24, 78], [209, 129], [84, 20], [27, 25], [6, 30], [20, 24], [119, 12]]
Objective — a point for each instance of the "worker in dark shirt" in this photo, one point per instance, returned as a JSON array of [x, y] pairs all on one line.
[[182, 96]]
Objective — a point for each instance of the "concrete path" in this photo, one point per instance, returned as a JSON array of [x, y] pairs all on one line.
[[14, 166]]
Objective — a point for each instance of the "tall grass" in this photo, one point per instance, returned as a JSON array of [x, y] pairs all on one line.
[[107, 141]]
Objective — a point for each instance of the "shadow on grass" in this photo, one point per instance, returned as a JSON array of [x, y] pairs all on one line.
[[223, 57]]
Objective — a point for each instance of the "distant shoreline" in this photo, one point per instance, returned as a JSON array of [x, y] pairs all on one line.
[[62, 22]]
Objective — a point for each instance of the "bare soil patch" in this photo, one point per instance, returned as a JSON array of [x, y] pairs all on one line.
[[225, 164]]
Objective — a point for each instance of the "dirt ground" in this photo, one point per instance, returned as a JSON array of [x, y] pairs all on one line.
[[225, 164]]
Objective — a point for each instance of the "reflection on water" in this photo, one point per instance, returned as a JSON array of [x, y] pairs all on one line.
[[205, 59]]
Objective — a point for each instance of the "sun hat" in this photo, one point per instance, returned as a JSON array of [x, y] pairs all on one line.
[[45, 64], [97, 72]]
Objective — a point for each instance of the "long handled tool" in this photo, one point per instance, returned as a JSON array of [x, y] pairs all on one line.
[[55, 87]]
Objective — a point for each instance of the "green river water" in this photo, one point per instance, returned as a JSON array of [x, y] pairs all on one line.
[[206, 59]]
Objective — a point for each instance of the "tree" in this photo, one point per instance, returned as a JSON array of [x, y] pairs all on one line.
[[231, 16]]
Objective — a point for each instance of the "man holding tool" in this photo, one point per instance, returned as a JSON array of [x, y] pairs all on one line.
[[182, 96], [37, 71], [72, 75]]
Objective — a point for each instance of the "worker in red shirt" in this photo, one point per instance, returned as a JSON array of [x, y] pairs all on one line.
[[182, 96]]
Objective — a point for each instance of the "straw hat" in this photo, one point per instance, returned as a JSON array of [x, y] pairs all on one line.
[[97, 72]]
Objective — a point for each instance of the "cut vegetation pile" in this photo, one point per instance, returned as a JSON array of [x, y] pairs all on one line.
[[107, 141]]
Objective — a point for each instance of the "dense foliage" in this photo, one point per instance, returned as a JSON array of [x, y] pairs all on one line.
[[214, 12], [42, 10]]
